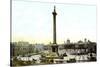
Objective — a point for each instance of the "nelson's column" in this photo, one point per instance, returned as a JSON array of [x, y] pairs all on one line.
[[54, 46]]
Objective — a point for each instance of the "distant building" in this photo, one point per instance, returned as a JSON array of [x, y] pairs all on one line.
[[21, 48], [38, 47], [68, 41]]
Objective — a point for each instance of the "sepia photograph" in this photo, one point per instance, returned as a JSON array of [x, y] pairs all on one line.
[[52, 33]]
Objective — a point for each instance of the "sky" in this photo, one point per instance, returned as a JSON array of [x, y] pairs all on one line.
[[33, 22]]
